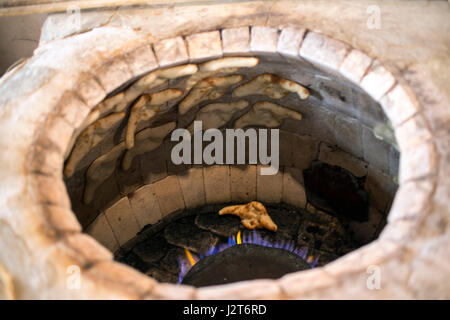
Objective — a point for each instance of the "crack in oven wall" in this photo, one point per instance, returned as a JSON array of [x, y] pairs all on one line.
[[338, 160]]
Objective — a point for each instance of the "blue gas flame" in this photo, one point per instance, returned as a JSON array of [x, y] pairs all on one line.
[[252, 237]]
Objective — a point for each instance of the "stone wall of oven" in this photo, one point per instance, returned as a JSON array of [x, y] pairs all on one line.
[[338, 127], [200, 186], [69, 74]]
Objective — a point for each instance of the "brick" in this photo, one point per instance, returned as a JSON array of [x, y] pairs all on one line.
[[333, 155], [418, 162], [400, 104], [113, 73], [269, 189], [204, 45], [263, 39], [323, 51], [236, 40], [217, 184], [171, 51], [243, 183], [191, 183], [90, 90], [381, 189], [50, 190], [378, 81], [101, 231], [412, 133], [169, 195], [304, 150], [349, 135], [370, 113], [290, 41], [47, 159], [285, 149], [337, 96], [141, 60], [145, 205], [411, 200], [293, 188], [57, 132], [355, 65], [376, 152], [72, 109], [318, 122], [122, 220]]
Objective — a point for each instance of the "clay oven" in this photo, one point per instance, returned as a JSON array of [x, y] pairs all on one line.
[[88, 181]]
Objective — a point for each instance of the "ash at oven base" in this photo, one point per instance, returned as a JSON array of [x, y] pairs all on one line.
[[157, 249], [244, 262]]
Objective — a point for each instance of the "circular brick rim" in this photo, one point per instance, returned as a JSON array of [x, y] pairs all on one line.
[[419, 161]]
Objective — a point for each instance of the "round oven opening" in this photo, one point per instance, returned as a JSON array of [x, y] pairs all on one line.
[[335, 178], [120, 187]]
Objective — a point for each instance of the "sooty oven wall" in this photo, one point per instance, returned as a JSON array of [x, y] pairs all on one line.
[[341, 128]]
